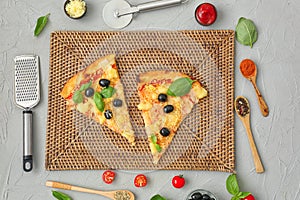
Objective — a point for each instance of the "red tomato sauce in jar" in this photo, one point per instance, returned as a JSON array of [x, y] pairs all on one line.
[[206, 14]]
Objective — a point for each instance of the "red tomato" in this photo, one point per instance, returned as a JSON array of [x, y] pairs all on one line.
[[140, 180], [178, 181], [108, 176], [70, 96], [249, 197]]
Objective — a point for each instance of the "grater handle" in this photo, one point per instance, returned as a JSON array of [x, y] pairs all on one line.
[[27, 140]]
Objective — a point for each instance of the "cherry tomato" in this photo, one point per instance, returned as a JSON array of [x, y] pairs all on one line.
[[108, 176], [140, 180], [178, 181], [249, 197]]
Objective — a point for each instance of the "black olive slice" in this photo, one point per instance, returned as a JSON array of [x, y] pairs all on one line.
[[117, 102], [162, 97], [108, 114], [164, 132], [104, 82], [89, 92], [168, 108]]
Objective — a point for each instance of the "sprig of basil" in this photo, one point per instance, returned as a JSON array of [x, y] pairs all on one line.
[[153, 139], [40, 24], [77, 96], [242, 195], [108, 92], [180, 87], [85, 86], [232, 185], [157, 147], [99, 101], [157, 197], [60, 195], [233, 188], [246, 32]]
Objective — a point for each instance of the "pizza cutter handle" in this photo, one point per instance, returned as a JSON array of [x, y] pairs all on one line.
[[148, 6], [158, 4], [27, 140]]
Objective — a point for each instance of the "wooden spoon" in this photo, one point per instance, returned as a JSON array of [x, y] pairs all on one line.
[[252, 78], [244, 115], [108, 194]]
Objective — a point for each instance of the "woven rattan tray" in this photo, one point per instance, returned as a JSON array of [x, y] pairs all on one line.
[[205, 139]]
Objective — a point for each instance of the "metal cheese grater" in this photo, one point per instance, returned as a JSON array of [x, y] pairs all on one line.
[[27, 95]]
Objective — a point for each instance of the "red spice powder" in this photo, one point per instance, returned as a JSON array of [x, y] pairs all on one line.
[[247, 67]]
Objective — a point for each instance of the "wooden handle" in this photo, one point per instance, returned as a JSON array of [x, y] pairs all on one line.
[[256, 158], [64, 186], [108, 194], [262, 103], [58, 185], [263, 106]]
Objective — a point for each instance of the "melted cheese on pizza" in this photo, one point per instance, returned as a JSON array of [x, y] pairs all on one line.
[[103, 68], [154, 116]]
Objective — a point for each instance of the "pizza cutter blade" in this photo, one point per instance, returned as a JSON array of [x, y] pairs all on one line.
[[118, 14]]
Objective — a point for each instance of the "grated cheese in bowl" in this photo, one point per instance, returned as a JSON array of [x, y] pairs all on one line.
[[75, 8]]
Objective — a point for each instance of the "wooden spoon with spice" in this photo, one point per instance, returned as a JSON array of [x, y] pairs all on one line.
[[242, 108], [249, 71], [114, 195]]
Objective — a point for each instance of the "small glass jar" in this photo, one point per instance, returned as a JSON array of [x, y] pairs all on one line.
[[202, 192]]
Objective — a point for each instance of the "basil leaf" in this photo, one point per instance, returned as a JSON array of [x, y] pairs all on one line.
[[108, 92], [60, 195], [153, 139], [170, 93], [157, 147], [157, 197], [99, 101], [40, 24], [180, 87], [246, 32], [235, 198], [242, 195], [232, 185], [85, 86], [77, 97]]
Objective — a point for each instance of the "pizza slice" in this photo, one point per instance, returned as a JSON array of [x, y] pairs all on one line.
[[166, 98], [97, 92]]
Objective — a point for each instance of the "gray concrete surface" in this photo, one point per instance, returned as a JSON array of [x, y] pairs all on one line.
[[276, 53]]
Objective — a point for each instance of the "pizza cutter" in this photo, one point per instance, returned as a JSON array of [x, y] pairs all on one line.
[[119, 13]]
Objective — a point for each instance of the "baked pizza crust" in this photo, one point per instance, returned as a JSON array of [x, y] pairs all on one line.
[[150, 85], [104, 67]]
